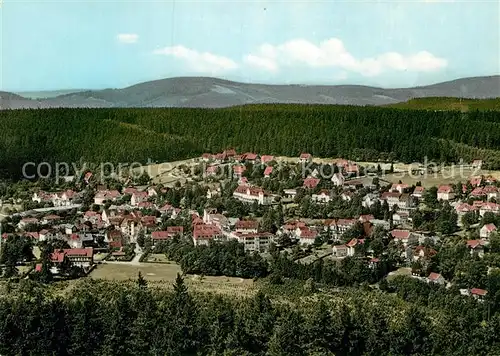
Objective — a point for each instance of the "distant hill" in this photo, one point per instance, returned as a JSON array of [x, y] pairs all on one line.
[[217, 93]]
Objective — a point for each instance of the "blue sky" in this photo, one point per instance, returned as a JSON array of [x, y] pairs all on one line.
[[49, 45]]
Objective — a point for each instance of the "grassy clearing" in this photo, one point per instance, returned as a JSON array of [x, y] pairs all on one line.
[[163, 275], [403, 271], [159, 258]]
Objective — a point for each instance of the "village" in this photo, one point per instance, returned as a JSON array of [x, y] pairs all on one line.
[[338, 209]]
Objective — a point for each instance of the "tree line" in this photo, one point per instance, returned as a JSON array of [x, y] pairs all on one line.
[[166, 134]]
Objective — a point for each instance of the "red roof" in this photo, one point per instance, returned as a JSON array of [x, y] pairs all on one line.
[[311, 182], [250, 156], [490, 227], [266, 158], [434, 276], [204, 231], [246, 224], [268, 170], [239, 169], [445, 189], [400, 234], [305, 156], [477, 291]]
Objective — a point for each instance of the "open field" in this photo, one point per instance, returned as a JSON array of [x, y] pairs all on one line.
[[163, 275]]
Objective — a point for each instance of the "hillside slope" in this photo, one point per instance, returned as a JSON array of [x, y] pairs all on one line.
[[215, 93]]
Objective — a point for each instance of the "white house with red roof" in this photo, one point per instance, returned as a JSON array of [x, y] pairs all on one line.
[[268, 171], [27, 221], [238, 170], [418, 192], [306, 235], [203, 233], [436, 278], [478, 293], [339, 251], [487, 230], [138, 197], [476, 247], [247, 226], [323, 196], [305, 157], [352, 245], [487, 207], [445, 192], [255, 241], [80, 257], [401, 235]]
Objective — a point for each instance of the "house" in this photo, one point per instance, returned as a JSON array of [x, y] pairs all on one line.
[[479, 294], [247, 226], [248, 194], [342, 225], [352, 245], [436, 278], [210, 216], [138, 197], [306, 236], [203, 233], [462, 209], [339, 251], [80, 257], [171, 231], [322, 197], [400, 188], [305, 157], [351, 170], [206, 157], [392, 198], [63, 199], [338, 179], [476, 247], [369, 199], [477, 164], [401, 217], [310, 183], [107, 195], [211, 171], [487, 207], [238, 171], [418, 192], [423, 253], [401, 235], [24, 222], [268, 171], [258, 242], [445, 192], [50, 219], [251, 157], [486, 231]]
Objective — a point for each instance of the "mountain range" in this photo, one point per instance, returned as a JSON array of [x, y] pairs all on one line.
[[216, 93]]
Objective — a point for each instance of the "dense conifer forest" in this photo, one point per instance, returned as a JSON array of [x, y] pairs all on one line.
[[110, 318], [363, 133]]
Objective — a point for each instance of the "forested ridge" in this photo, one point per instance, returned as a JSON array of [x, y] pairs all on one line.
[[364, 133]]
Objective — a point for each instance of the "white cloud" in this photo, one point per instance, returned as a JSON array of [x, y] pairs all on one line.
[[332, 53], [127, 37], [202, 62]]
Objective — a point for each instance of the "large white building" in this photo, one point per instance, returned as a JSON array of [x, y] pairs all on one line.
[[248, 194]]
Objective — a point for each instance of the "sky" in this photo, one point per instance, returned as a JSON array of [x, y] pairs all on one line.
[[97, 44]]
